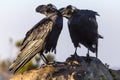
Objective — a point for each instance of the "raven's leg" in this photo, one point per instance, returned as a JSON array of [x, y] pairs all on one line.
[[44, 58], [88, 56], [75, 54], [97, 49]]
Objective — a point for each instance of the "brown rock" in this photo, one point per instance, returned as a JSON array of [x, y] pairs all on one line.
[[74, 68]]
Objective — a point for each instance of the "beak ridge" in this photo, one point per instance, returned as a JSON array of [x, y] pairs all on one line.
[[61, 10], [40, 8]]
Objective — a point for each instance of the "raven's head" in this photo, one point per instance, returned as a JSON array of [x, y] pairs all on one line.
[[67, 11], [46, 9]]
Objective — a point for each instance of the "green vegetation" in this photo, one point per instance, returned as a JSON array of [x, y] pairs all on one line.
[[31, 64]]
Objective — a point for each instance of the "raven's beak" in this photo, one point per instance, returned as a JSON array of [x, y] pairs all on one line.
[[97, 14], [62, 11], [40, 8]]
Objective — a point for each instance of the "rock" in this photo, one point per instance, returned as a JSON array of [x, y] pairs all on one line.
[[115, 74], [74, 68]]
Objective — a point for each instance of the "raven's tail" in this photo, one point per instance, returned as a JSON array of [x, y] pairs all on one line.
[[26, 54], [30, 50]]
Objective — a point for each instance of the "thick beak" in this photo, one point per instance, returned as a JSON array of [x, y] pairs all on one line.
[[62, 11], [98, 14], [40, 8]]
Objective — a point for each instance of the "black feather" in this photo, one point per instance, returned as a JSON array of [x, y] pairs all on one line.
[[83, 27], [42, 37]]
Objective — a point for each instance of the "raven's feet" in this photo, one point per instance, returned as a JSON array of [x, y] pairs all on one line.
[[88, 59], [45, 60]]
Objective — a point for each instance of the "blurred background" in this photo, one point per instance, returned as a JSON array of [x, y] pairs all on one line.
[[18, 16]]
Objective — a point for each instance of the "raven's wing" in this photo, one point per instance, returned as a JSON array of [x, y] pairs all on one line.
[[53, 37], [31, 34], [34, 42], [83, 29]]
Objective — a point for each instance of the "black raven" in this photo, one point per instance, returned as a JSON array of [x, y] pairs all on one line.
[[83, 27], [41, 38]]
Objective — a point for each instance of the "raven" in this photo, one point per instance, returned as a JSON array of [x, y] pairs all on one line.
[[83, 27], [41, 38]]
